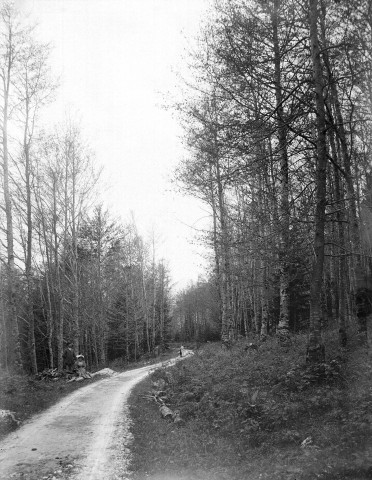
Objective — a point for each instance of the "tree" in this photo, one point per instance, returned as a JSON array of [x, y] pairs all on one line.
[[33, 89], [315, 346], [289, 85]]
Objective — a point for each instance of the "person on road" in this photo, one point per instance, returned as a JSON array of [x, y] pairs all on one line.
[[69, 358]]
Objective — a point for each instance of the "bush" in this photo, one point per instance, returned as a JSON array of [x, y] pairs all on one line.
[[250, 394], [247, 412]]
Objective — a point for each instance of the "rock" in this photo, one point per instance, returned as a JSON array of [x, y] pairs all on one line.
[[166, 411]]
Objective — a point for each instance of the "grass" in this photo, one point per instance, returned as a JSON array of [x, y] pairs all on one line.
[[246, 413]]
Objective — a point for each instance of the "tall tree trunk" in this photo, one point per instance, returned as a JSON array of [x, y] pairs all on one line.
[[255, 297], [4, 345], [216, 246], [12, 309], [315, 349], [74, 253], [227, 327], [264, 302], [283, 326], [60, 270], [145, 306], [161, 306], [28, 259], [339, 128], [153, 326], [101, 315], [342, 262], [45, 247]]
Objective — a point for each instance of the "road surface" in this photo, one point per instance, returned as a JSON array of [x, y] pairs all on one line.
[[84, 437]]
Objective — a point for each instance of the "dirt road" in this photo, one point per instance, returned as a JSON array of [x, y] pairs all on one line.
[[84, 437]]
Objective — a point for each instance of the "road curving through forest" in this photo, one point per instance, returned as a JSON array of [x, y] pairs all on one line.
[[85, 436]]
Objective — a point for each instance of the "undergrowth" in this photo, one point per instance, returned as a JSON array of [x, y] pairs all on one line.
[[266, 405]]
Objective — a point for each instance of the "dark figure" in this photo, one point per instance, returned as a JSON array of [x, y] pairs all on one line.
[[251, 346], [342, 337], [363, 303], [181, 351], [156, 351], [315, 354], [69, 358]]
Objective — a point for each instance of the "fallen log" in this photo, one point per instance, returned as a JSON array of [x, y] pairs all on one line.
[[165, 411], [49, 374]]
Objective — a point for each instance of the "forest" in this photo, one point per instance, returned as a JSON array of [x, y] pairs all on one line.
[[276, 114], [277, 121], [274, 105], [69, 271]]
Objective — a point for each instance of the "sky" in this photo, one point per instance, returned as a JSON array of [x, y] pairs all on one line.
[[115, 60]]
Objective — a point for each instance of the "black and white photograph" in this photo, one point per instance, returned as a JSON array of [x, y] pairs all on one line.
[[185, 239]]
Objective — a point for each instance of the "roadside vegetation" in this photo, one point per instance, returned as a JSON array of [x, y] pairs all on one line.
[[25, 396], [258, 414]]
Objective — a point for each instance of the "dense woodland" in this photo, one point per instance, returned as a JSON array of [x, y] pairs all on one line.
[[69, 272], [277, 121]]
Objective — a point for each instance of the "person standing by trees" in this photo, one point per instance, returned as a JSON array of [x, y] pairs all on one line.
[[69, 358]]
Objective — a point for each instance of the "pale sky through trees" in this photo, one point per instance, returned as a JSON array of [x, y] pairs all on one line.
[[115, 60]]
